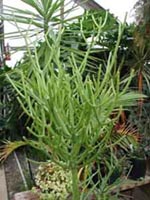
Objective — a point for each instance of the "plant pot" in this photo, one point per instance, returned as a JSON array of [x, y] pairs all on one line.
[[148, 166], [138, 168]]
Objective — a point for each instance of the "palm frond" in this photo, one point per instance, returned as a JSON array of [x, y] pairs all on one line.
[[9, 147]]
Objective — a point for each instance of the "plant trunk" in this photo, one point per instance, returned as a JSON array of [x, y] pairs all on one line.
[[140, 89], [123, 117], [75, 184]]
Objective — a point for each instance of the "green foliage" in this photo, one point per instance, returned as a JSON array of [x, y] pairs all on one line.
[[43, 17], [70, 111], [71, 116], [43, 13], [10, 111]]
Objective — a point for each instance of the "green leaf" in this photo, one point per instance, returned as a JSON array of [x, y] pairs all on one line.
[[36, 4]]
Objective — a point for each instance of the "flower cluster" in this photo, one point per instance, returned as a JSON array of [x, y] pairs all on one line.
[[53, 181]]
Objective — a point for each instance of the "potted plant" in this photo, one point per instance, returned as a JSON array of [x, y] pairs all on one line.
[[137, 163], [71, 115], [146, 147]]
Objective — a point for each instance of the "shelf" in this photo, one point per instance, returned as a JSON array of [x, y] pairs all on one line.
[[128, 184], [27, 195]]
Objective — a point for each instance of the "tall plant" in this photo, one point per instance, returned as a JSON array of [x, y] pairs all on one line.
[[71, 117], [141, 46], [71, 113]]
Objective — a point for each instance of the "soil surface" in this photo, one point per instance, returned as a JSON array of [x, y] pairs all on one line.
[[14, 179]]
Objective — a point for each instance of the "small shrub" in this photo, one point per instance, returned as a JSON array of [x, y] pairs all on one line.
[[54, 182]]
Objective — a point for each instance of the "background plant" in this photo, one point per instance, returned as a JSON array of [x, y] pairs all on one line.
[[12, 118]]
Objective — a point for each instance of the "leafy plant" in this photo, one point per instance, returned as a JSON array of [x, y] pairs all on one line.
[[53, 182], [71, 113], [71, 116], [11, 114]]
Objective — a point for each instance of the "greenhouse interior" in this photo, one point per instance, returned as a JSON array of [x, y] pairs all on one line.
[[74, 100]]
